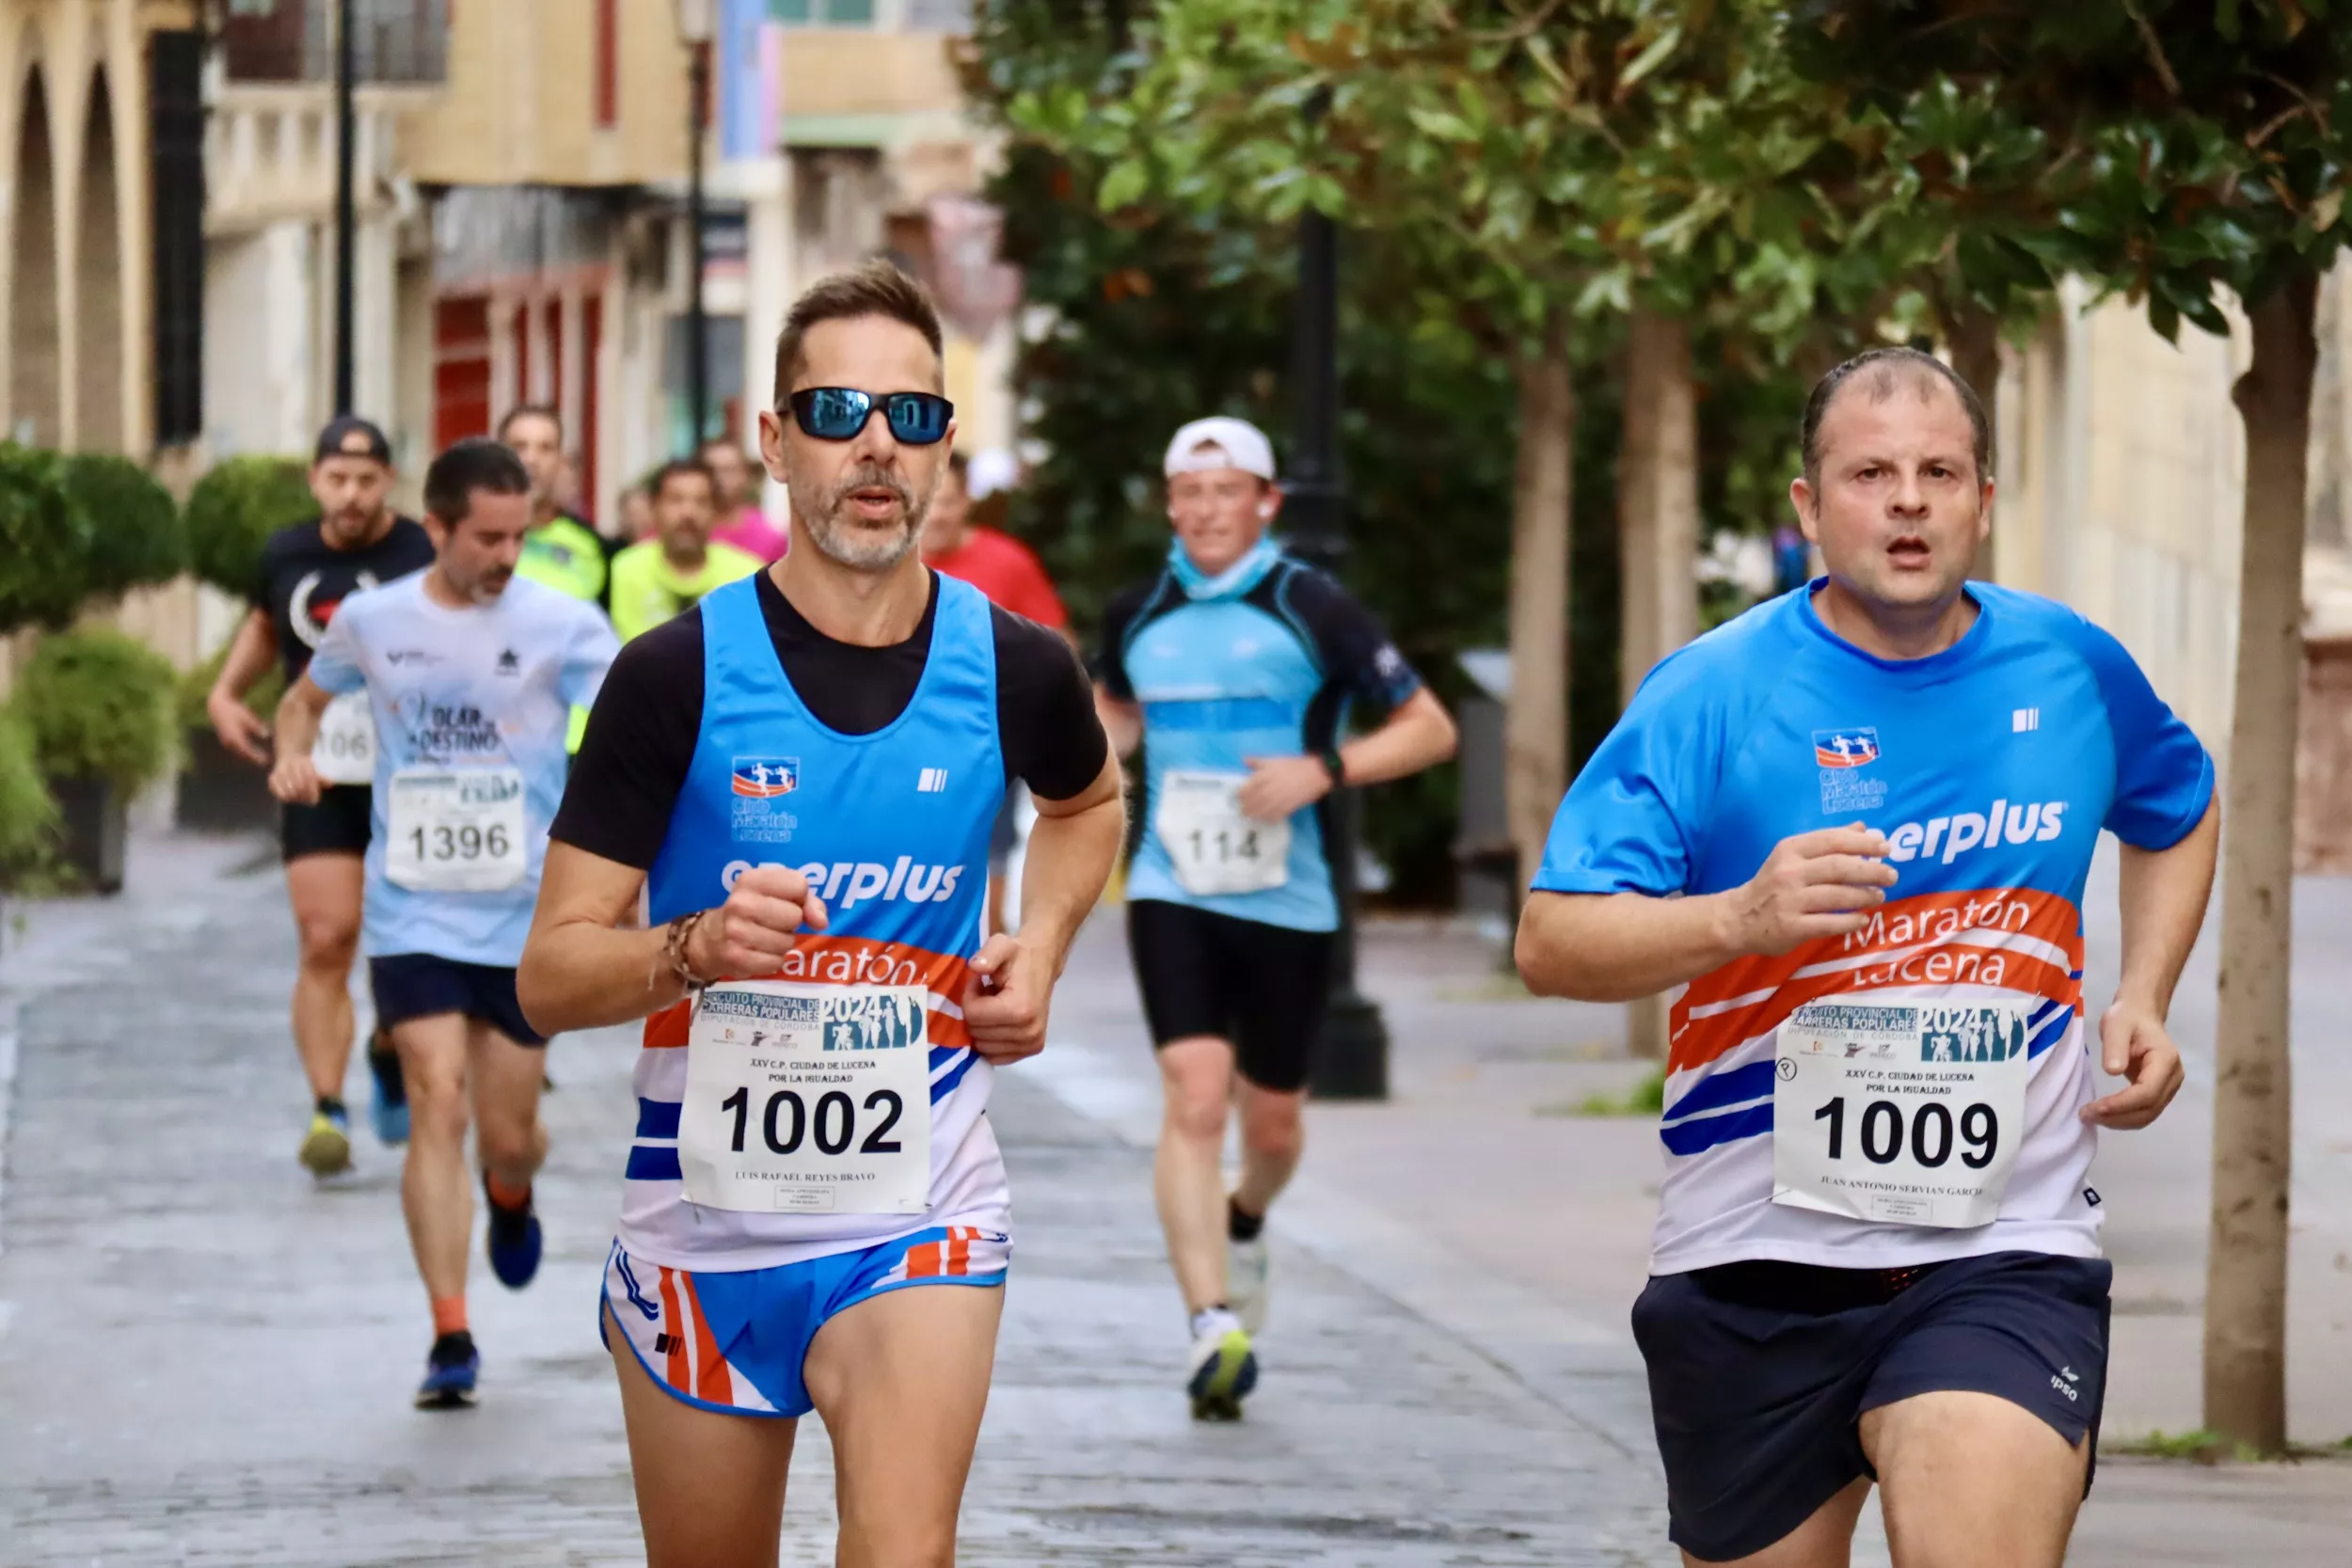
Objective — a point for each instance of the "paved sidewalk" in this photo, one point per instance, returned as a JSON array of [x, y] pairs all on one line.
[[206, 1359]]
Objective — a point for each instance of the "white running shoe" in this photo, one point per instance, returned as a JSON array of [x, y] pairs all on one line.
[[1246, 1266], [1224, 1369]]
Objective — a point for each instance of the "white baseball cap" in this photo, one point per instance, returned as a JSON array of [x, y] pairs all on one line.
[[1234, 443]]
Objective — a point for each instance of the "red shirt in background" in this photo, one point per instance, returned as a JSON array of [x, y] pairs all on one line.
[[749, 531], [1007, 571]]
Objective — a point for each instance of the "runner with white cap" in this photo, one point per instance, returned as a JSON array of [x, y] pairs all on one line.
[[1234, 669]]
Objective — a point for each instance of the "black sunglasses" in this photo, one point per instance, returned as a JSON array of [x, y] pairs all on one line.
[[838, 412]]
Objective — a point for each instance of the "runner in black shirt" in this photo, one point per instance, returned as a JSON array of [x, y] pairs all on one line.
[[357, 542]]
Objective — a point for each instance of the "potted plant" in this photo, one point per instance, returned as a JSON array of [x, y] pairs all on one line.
[[231, 514], [135, 537], [29, 813], [99, 707], [217, 791]]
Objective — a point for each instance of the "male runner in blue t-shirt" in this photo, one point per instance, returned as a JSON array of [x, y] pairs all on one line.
[[472, 676], [1852, 828], [1234, 669]]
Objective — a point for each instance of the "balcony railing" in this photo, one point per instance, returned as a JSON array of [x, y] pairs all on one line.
[[395, 41]]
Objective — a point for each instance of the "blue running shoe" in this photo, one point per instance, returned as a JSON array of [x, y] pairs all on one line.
[[390, 1111], [514, 1240], [450, 1371]]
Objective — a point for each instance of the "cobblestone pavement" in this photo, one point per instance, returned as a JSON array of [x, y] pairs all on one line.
[[206, 1359]]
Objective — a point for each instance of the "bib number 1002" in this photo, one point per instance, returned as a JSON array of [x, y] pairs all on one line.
[[1931, 1131], [833, 1123]]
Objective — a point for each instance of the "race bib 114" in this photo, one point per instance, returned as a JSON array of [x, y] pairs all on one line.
[[1213, 846], [1901, 1112]]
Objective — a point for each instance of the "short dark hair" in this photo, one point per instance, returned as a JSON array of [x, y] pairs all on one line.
[[875, 289], [675, 466], [474, 465], [547, 411], [1883, 371]]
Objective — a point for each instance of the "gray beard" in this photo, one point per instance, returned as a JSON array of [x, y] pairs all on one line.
[[859, 550]]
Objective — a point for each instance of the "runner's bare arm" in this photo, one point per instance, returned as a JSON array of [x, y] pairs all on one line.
[[1419, 734], [1617, 946], [2164, 893], [1122, 721], [293, 777], [1070, 857], [251, 653], [580, 973]]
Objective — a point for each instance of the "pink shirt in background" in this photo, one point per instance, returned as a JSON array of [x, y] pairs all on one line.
[[750, 530]]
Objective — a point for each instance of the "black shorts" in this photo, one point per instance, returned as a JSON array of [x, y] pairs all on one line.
[[1759, 1373], [337, 825], [1263, 987], [420, 985]]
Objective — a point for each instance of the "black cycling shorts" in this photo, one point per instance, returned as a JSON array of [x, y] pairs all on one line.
[[1263, 988], [1760, 1373], [337, 825], [423, 985]]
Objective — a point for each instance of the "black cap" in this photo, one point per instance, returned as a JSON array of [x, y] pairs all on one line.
[[349, 436]]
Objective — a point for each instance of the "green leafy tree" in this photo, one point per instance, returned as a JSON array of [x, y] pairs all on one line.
[[234, 509], [135, 538], [2190, 150], [44, 541]]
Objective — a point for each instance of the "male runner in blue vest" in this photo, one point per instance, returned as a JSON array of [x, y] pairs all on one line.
[[1853, 828], [800, 774], [1234, 668], [471, 675]]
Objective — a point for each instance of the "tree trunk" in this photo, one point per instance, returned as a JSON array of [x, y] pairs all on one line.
[[1973, 338], [2253, 1124], [1657, 522], [1535, 724]]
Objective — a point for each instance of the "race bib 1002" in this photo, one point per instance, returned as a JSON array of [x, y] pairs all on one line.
[[345, 751], [808, 1099], [1901, 1112], [1213, 847], [455, 830]]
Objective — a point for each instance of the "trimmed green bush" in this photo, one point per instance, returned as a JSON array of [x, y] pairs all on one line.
[[136, 540], [28, 815], [234, 509], [44, 541], [100, 706]]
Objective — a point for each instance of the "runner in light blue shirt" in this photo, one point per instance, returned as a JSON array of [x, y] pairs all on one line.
[[472, 676]]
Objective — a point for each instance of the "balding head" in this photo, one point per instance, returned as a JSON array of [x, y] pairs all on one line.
[[1883, 374]]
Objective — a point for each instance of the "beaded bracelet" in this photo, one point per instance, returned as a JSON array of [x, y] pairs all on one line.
[[674, 949]]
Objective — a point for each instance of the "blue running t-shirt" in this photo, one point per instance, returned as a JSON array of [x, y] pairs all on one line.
[[1991, 766], [1261, 661]]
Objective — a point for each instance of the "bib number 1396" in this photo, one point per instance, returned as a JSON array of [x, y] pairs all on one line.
[[1899, 1112]]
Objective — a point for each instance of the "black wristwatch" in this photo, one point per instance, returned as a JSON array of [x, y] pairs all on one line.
[[1336, 767]]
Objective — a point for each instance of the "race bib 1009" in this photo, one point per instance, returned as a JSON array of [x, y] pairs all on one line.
[[808, 1099], [1901, 1112], [455, 830], [1213, 847], [345, 751]]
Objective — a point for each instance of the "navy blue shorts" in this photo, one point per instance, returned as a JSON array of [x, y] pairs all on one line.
[[1759, 1373], [420, 985]]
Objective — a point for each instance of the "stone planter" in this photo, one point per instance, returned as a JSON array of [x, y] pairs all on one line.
[[220, 792], [94, 831]]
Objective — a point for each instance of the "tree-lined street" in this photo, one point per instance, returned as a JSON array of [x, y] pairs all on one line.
[[204, 1357]]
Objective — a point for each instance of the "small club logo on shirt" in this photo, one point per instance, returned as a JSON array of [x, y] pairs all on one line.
[[2023, 719], [1856, 748], [764, 778], [509, 662], [933, 782], [1840, 754]]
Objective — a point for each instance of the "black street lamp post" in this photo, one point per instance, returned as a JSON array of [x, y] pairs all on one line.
[[346, 125], [1351, 1061], [696, 27]]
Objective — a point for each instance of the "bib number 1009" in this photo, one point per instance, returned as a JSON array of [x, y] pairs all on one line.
[[1930, 1129], [787, 1121]]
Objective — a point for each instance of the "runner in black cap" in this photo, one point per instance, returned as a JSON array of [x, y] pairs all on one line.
[[356, 541]]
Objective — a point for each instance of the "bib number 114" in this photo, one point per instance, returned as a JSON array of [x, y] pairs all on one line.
[[1931, 1131]]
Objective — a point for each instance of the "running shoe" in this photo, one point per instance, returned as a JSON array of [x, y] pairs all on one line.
[[326, 1147], [450, 1370], [1224, 1370], [516, 1240], [389, 1109], [1245, 1270]]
